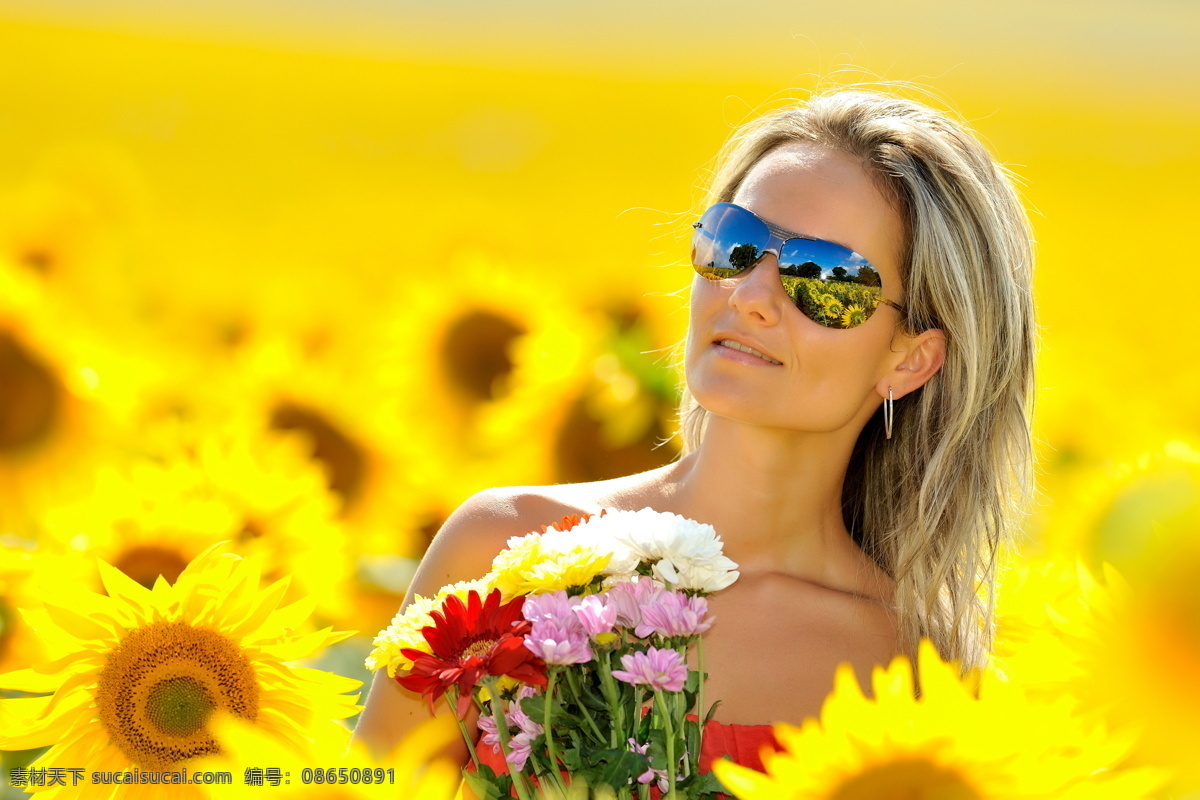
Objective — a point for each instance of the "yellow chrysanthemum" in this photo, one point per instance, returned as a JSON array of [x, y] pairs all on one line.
[[404, 632], [137, 674], [948, 743], [333, 767], [529, 566]]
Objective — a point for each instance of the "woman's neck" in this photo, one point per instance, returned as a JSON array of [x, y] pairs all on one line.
[[774, 496]]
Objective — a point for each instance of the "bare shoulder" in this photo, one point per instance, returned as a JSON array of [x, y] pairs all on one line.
[[480, 528]]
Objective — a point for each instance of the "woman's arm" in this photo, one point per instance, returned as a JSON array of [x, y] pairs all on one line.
[[462, 550]]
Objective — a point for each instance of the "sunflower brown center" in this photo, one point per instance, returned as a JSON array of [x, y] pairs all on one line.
[[144, 563], [179, 706], [583, 453], [39, 259], [252, 528], [911, 779], [31, 400], [161, 684], [475, 353], [344, 461]]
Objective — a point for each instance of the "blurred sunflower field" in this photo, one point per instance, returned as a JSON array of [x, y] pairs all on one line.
[[283, 283]]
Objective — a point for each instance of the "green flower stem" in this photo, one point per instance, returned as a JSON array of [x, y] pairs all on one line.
[[556, 776], [611, 697], [701, 712], [524, 792], [669, 728], [577, 693], [462, 726], [679, 714]]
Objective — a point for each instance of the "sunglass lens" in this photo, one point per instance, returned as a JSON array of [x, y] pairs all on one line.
[[728, 240], [832, 285]]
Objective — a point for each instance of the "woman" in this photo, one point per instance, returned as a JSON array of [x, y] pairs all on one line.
[[859, 369]]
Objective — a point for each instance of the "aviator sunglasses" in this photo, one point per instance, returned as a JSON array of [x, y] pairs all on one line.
[[832, 285]]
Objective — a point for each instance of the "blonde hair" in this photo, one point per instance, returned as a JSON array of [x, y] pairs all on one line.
[[932, 504]]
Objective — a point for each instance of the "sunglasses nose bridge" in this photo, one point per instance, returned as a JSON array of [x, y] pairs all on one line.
[[753, 274]]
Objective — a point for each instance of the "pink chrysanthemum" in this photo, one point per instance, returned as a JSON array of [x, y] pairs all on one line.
[[661, 670], [670, 614]]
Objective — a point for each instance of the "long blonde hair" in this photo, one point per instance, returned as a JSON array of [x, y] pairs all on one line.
[[932, 504]]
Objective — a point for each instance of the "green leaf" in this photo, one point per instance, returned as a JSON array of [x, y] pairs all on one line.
[[703, 787], [658, 748], [616, 768], [572, 759], [535, 707], [485, 784], [691, 736], [711, 712]]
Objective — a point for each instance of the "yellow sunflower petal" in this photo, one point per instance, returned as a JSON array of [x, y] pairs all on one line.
[[28, 723], [743, 781], [121, 586], [248, 620], [289, 617], [43, 677], [94, 627]]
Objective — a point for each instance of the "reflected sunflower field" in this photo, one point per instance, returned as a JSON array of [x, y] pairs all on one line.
[[278, 292]]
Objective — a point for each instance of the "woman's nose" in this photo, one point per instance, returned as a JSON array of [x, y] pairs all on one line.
[[758, 291]]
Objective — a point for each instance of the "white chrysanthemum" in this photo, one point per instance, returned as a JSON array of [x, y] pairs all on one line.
[[684, 554]]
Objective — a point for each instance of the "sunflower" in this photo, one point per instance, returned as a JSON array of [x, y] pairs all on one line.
[[18, 645], [280, 506], [948, 743], [1133, 513], [1125, 654], [51, 415], [833, 307], [483, 360], [136, 675], [616, 416], [261, 766], [853, 315], [67, 224], [151, 517]]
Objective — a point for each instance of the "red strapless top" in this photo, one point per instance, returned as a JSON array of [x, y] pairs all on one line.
[[742, 743]]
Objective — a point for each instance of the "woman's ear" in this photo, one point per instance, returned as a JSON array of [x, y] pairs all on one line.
[[918, 359]]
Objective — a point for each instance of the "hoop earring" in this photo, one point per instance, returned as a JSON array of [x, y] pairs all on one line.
[[889, 413]]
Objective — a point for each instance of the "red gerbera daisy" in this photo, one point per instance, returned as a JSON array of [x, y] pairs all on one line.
[[471, 640]]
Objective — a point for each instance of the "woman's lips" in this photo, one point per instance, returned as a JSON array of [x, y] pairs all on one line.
[[738, 347]]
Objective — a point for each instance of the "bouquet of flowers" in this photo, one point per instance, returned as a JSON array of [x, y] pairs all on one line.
[[574, 652]]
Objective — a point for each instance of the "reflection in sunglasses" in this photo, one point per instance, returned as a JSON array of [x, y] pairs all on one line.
[[838, 301]]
